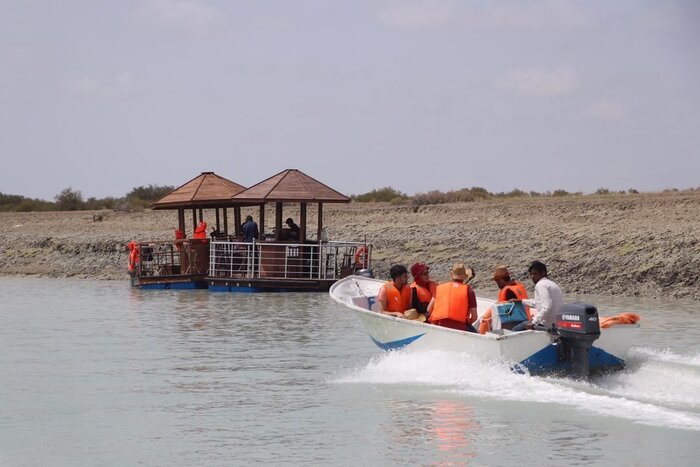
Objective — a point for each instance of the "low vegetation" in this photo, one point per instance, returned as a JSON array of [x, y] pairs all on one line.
[[72, 200], [466, 195], [142, 197]]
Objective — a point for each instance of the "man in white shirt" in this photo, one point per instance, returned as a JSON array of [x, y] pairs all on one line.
[[548, 299]]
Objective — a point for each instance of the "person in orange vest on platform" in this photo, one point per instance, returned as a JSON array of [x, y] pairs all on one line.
[[422, 288], [508, 290], [394, 297], [134, 257], [201, 231], [454, 304], [179, 235]]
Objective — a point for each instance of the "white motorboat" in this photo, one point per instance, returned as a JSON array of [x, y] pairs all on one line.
[[576, 345]]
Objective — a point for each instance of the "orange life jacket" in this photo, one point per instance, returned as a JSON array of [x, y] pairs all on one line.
[[397, 300], [201, 231], [451, 302], [622, 318], [425, 294]]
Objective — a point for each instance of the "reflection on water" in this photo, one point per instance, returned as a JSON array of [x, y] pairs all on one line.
[[96, 373], [453, 430]]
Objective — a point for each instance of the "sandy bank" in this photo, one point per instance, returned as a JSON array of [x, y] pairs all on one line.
[[634, 245]]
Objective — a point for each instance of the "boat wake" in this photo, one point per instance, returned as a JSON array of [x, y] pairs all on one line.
[[658, 388]]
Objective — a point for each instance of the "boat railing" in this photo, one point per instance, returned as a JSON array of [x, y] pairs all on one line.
[[173, 257], [283, 260]]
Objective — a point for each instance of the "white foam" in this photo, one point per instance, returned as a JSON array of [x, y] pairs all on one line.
[[665, 355], [638, 397]]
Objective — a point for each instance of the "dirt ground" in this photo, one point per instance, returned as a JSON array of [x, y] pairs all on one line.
[[644, 245]]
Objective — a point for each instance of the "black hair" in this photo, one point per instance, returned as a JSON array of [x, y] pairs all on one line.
[[397, 270], [538, 266]]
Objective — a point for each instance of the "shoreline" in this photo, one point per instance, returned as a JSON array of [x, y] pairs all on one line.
[[645, 245]]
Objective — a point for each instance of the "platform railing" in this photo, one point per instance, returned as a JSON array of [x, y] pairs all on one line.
[[270, 260], [173, 257]]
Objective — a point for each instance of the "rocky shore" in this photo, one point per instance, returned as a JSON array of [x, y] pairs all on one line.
[[644, 245]]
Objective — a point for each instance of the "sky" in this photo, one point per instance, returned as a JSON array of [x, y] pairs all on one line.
[[418, 95]]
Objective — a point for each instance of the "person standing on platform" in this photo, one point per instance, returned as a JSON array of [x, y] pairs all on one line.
[[250, 230]]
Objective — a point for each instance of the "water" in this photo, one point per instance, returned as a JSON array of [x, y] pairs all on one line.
[[95, 373]]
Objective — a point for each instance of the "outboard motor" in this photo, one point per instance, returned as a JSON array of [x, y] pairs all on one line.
[[365, 273], [577, 326]]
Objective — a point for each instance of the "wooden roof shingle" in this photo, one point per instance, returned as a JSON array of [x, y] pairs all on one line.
[[290, 185]]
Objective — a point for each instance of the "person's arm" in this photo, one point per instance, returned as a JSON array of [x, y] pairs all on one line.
[[431, 305], [381, 299], [472, 304]]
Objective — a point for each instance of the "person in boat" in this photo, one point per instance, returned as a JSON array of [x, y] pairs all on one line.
[[509, 289], [394, 297], [454, 304], [250, 230], [294, 229], [548, 299], [422, 288]]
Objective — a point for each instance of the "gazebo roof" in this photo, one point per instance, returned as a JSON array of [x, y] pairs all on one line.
[[206, 190], [290, 185]]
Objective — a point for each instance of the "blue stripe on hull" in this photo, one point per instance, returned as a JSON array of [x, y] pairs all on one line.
[[173, 286], [547, 361], [244, 289], [395, 345]]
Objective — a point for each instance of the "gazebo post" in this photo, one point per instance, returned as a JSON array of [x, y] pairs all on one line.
[[261, 230], [320, 221], [237, 220], [181, 219], [278, 220], [194, 220], [302, 222], [225, 221], [218, 226]]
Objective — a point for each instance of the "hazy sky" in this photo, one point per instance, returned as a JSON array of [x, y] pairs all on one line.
[[104, 96]]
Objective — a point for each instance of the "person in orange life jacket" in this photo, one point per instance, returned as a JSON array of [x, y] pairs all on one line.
[[508, 290], [134, 257], [179, 235], [422, 288], [454, 304], [201, 231], [394, 297]]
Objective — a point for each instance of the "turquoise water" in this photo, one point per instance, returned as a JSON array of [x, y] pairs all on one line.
[[96, 373]]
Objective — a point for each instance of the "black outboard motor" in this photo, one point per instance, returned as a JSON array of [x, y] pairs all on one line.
[[577, 326], [365, 273]]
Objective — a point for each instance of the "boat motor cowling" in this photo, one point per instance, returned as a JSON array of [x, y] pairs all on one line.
[[578, 326]]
